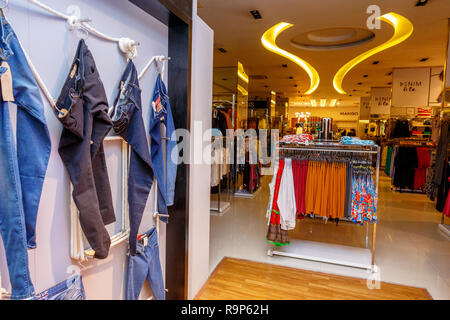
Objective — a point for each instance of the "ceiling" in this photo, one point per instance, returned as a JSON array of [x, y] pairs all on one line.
[[240, 34]]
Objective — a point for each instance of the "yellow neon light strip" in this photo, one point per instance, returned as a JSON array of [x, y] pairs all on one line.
[[403, 29], [313, 103], [241, 73], [269, 42], [333, 102], [242, 90]]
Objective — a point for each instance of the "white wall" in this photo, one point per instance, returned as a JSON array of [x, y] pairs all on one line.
[[200, 174], [51, 47]]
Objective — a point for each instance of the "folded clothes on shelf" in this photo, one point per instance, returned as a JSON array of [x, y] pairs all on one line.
[[298, 139], [356, 141]]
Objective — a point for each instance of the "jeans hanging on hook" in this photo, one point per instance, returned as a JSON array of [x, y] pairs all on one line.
[[83, 110], [145, 265], [22, 167], [165, 171], [129, 124]]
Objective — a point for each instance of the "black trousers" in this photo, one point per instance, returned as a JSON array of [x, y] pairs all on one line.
[[83, 110]]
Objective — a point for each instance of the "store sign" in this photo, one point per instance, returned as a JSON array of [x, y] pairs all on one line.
[[365, 108], [411, 87], [380, 102]]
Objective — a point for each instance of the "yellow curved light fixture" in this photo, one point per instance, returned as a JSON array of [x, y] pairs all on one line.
[[241, 73], [269, 42], [403, 29]]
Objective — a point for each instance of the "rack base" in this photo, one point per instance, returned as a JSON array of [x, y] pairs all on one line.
[[445, 229], [327, 253], [243, 194], [215, 210]]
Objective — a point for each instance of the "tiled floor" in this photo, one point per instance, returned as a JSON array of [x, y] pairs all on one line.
[[410, 250]]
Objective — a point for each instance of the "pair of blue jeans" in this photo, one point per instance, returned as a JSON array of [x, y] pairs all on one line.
[[145, 265], [128, 122], [22, 171], [165, 171]]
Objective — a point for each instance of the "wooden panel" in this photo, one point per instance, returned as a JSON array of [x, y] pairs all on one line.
[[182, 8], [154, 8], [244, 280]]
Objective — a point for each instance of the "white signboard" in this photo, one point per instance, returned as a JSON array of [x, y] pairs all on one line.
[[381, 100], [411, 87], [365, 108]]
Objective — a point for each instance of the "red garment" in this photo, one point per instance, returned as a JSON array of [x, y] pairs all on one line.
[[424, 162], [447, 204], [275, 215], [300, 172]]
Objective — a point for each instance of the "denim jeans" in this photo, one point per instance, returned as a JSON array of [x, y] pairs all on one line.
[[145, 265], [22, 170], [165, 171], [129, 124], [71, 289], [83, 110]]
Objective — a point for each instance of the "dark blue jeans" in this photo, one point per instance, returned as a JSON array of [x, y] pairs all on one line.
[[145, 265], [22, 170], [83, 110], [129, 124]]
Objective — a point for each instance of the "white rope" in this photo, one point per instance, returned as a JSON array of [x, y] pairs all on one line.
[[126, 45], [162, 59]]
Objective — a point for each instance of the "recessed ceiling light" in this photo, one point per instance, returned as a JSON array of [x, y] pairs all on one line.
[[424, 59], [295, 85], [291, 78], [389, 74], [421, 3], [224, 79], [284, 65], [389, 83], [376, 62], [365, 76], [222, 50], [360, 83], [256, 14]]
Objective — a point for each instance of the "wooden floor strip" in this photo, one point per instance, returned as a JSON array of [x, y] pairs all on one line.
[[236, 279]]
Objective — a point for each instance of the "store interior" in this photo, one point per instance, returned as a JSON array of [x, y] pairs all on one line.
[[340, 82], [222, 150]]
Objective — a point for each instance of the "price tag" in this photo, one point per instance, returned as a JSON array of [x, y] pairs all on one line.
[[7, 83]]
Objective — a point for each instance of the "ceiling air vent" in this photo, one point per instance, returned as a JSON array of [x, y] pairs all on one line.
[[256, 14]]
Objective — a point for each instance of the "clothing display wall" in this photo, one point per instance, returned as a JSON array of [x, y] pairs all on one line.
[[51, 47]]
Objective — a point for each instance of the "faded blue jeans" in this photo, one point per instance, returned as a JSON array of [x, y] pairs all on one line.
[[165, 171], [145, 265], [22, 172]]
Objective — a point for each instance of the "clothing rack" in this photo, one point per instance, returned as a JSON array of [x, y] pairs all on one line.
[[220, 206], [330, 253]]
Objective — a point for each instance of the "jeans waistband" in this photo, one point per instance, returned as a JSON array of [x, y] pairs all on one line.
[[152, 238]]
